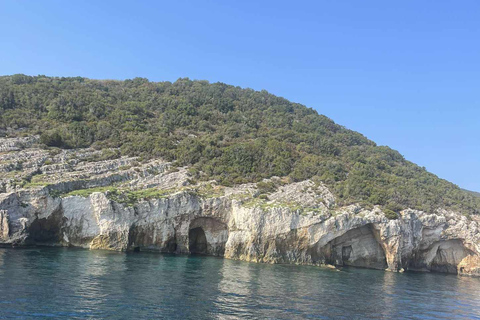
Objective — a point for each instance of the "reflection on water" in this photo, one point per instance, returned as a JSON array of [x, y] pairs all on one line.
[[68, 283], [2, 254]]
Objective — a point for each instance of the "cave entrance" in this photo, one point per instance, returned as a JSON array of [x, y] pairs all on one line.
[[358, 247], [207, 235], [197, 241], [441, 256]]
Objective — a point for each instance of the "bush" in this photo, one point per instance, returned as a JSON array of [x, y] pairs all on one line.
[[390, 214], [52, 139], [266, 187]]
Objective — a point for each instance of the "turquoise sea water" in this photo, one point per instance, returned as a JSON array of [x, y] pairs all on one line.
[[70, 283]]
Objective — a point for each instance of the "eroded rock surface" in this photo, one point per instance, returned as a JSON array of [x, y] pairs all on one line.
[[160, 211]]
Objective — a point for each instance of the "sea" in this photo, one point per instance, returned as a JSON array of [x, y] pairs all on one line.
[[66, 283]]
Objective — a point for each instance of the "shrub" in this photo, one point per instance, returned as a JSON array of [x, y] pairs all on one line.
[[390, 214], [266, 187]]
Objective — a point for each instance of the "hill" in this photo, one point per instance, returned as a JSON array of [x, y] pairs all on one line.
[[476, 194], [221, 132]]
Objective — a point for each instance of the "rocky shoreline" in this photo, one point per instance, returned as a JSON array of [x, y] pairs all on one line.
[[92, 199]]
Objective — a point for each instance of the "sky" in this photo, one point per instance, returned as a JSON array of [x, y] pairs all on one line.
[[404, 73]]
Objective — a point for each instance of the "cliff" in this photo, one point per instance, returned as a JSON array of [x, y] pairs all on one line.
[[74, 198]]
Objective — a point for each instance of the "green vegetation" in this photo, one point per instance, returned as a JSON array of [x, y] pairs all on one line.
[[210, 191], [266, 187], [36, 181], [34, 184], [390, 214], [151, 193], [262, 203], [222, 132], [474, 193], [126, 197]]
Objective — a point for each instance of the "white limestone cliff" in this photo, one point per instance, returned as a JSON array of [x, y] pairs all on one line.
[[298, 223]]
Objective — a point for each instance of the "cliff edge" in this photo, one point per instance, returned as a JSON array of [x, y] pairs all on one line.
[[75, 198]]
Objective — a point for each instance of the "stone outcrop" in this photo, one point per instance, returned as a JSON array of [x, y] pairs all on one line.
[[298, 223], [470, 265], [15, 144]]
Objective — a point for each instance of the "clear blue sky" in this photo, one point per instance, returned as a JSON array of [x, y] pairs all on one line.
[[404, 73]]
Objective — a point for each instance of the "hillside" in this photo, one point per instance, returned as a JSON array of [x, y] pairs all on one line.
[[220, 132], [476, 194]]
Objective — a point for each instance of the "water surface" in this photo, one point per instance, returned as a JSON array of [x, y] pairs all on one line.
[[71, 283]]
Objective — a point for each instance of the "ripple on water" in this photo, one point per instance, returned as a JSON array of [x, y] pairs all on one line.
[[70, 283]]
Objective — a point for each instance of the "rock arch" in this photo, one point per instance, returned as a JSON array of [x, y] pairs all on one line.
[[358, 247], [207, 236], [441, 256]]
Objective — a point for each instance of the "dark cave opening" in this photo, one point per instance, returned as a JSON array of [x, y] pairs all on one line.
[[357, 247], [197, 243]]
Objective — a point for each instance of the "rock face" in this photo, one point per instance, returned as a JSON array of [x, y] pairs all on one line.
[[184, 222], [298, 223]]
